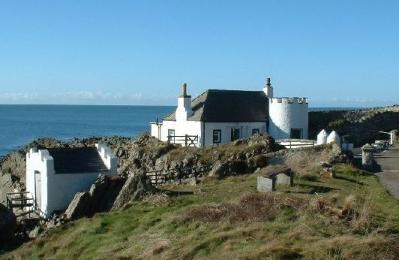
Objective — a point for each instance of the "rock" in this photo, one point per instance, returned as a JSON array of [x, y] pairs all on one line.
[[238, 142], [229, 168], [104, 192], [135, 187], [217, 169], [6, 186], [8, 224], [34, 233], [100, 198], [193, 181], [260, 161], [79, 206]]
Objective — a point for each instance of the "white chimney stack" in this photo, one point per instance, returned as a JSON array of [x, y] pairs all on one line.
[[183, 110], [268, 89]]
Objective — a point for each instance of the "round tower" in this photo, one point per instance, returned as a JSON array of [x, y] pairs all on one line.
[[288, 118]]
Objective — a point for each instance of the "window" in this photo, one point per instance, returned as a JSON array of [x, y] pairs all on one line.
[[235, 134], [171, 135], [296, 133], [217, 136], [255, 131]]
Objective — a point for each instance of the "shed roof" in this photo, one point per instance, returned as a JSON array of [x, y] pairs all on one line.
[[216, 105], [77, 160], [270, 173]]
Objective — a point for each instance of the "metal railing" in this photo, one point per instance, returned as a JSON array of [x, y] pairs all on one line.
[[296, 143]]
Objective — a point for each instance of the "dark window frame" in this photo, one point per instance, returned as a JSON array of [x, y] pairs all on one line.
[[235, 134], [255, 131], [218, 133], [174, 135]]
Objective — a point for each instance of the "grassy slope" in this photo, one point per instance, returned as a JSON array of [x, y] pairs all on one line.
[[155, 229]]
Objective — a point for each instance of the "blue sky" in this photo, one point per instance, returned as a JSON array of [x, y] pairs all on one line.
[[337, 53]]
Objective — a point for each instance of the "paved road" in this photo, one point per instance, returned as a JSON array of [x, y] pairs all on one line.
[[389, 175]]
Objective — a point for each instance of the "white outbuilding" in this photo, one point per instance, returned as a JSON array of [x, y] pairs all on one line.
[[54, 176], [221, 116], [333, 137], [322, 137]]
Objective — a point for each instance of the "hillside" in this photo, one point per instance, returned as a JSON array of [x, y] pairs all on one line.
[[360, 126], [350, 216]]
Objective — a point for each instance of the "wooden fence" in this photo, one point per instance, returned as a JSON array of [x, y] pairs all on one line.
[[187, 140]]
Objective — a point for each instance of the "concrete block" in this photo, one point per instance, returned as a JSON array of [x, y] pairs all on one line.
[[265, 184]]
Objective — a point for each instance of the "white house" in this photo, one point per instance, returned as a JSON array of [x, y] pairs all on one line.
[[221, 116], [54, 176]]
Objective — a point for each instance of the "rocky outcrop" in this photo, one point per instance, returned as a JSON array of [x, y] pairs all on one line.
[[135, 187], [100, 198], [307, 160], [79, 206], [7, 225], [6, 186]]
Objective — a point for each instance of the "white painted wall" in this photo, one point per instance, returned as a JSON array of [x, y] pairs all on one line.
[[58, 190], [42, 162], [245, 130], [109, 158], [156, 129], [197, 128], [181, 128], [287, 113], [183, 110]]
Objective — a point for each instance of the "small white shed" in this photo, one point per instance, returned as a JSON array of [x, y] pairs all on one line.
[[322, 137], [333, 137], [54, 176]]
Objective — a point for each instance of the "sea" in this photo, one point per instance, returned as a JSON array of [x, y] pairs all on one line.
[[22, 124]]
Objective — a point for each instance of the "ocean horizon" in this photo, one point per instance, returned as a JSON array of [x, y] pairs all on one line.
[[22, 124]]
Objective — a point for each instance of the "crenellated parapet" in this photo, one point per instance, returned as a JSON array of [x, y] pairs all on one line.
[[288, 100], [108, 157]]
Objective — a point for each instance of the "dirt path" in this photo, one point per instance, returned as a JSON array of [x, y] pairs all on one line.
[[389, 175]]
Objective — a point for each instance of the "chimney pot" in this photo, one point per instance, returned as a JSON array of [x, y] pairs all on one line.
[[184, 90], [268, 82]]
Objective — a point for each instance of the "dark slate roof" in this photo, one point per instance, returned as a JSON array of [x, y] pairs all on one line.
[[228, 106], [77, 160]]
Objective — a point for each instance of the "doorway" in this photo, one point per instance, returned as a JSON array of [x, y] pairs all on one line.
[[38, 190], [296, 133]]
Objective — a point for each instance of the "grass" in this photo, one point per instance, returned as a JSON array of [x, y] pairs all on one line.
[[349, 217]]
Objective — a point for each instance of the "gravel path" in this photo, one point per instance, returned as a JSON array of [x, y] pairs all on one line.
[[389, 175]]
